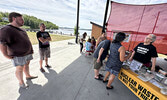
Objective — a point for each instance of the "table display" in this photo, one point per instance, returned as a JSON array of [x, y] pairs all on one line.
[[146, 85]]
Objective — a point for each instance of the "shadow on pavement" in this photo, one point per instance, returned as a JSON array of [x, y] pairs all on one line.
[[51, 75], [26, 94], [76, 82]]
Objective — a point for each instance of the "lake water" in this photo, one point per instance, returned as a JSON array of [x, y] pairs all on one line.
[[70, 31]]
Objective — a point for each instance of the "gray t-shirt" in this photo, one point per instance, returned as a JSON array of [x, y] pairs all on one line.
[[105, 45]]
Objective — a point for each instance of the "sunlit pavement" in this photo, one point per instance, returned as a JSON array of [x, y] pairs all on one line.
[[70, 78]]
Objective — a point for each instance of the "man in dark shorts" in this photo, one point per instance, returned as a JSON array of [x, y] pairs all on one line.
[[99, 55], [15, 45], [44, 46]]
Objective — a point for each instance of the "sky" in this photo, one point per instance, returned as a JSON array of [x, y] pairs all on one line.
[[64, 12]]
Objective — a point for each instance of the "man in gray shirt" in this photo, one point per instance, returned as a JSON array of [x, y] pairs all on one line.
[[99, 55]]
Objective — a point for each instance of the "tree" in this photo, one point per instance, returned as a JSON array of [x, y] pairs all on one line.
[[29, 21], [75, 30]]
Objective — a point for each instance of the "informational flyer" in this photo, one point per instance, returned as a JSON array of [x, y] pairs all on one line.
[[135, 65]]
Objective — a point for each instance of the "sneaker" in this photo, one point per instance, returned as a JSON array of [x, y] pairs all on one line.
[[42, 70], [23, 86], [47, 66]]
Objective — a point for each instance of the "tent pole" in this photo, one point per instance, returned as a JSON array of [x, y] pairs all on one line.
[[105, 16], [76, 41]]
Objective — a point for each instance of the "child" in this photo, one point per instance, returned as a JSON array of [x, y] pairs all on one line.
[[88, 46], [93, 41]]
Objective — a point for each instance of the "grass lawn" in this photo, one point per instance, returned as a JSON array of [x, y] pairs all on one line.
[[55, 37]]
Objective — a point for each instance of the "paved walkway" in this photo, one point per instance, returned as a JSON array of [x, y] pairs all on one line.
[[70, 78]]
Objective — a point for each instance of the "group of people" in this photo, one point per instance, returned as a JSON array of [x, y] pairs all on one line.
[[115, 58], [91, 43], [15, 45], [116, 54]]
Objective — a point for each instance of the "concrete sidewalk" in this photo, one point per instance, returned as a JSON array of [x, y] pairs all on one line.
[[70, 78]]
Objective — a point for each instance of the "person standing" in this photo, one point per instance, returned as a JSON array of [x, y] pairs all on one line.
[[93, 42], [44, 46], [115, 59], [99, 55], [100, 38], [81, 40], [15, 45]]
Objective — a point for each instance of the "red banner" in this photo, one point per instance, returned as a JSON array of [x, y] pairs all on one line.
[[140, 20]]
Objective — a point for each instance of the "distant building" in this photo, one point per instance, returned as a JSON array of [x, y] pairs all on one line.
[[96, 30], [4, 18]]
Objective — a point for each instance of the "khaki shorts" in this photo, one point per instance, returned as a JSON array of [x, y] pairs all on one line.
[[97, 65], [44, 53], [21, 61]]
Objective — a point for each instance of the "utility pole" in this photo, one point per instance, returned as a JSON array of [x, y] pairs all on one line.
[[76, 41], [105, 16]]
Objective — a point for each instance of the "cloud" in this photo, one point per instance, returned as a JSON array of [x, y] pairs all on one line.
[[141, 2], [63, 12], [56, 11], [60, 12]]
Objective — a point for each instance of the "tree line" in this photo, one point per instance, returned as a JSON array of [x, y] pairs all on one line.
[[30, 22]]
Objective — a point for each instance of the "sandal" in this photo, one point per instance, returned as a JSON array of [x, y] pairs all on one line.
[[32, 77], [111, 87], [105, 81], [100, 75], [23, 86], [98, 78]]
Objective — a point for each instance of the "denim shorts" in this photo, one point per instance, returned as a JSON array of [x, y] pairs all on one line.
[[44, 53], [21, 61], [112, 71]]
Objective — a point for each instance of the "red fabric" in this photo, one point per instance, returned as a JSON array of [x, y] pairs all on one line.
[[138, 18], [89, 51]]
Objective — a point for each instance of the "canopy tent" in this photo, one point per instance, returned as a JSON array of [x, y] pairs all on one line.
[[140, 20]]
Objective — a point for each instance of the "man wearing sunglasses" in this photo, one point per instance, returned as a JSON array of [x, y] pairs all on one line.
[[146, 52]]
